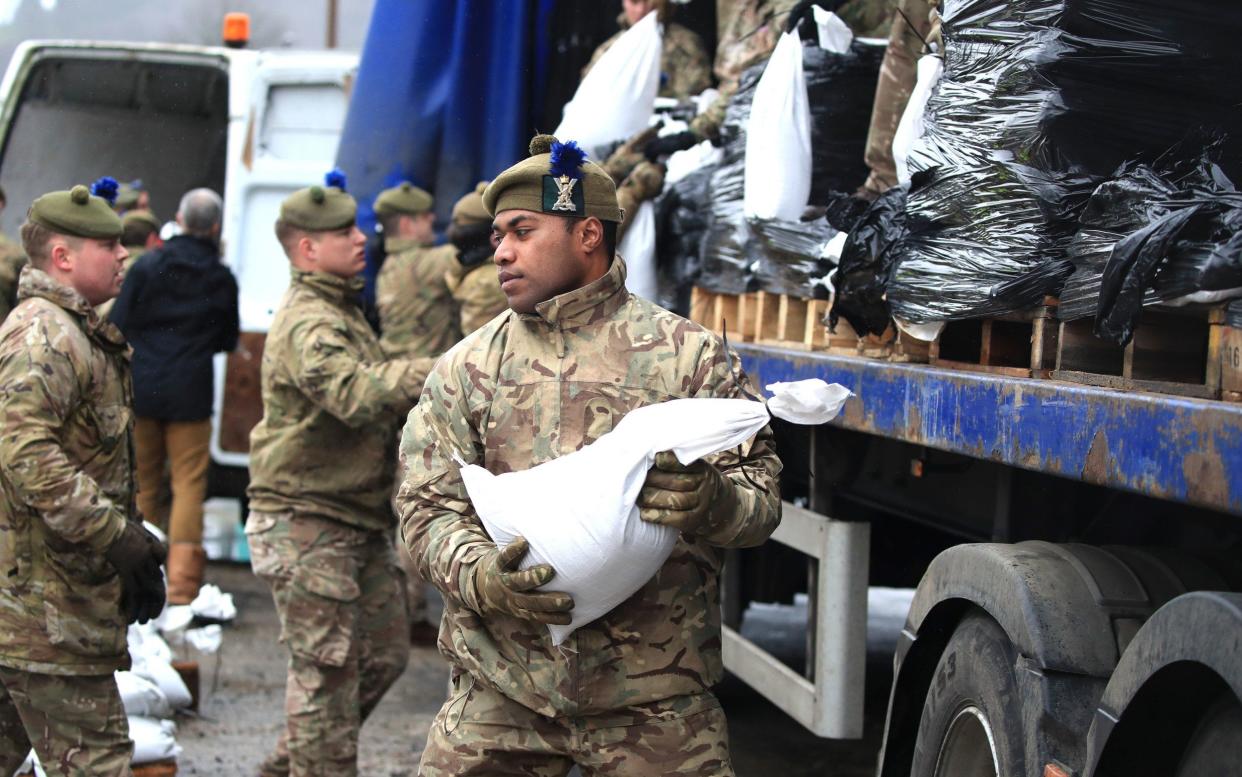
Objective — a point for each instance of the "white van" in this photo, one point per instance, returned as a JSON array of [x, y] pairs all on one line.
[[253, 125]]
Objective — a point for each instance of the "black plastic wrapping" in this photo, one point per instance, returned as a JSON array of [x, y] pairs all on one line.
[[681, 223], [841, 90], [780, 256], [726, 266], [1155, 233], [867, 259], [1041, 100]]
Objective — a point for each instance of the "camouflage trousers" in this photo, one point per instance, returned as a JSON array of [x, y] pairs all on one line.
[[76, 724], [340, 595], [480, 731]]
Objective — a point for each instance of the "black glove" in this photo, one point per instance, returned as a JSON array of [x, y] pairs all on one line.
[[136, 555], [662, 147]]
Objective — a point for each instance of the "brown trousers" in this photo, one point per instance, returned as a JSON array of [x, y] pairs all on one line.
[[181, 449]]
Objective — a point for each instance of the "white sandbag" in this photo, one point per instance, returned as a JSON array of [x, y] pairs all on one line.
[[777, 177], [912, 126], [638, 247], [31, 766], [206, 639], [166, 679], [615, 99], [578, 511], [142, 697], [154, 740], [807, 402], [684, 162], [145, 642]]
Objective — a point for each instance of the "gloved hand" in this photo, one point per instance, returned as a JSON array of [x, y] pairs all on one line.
[[503, 588], [137, 554], [688, 499], [662, 147]]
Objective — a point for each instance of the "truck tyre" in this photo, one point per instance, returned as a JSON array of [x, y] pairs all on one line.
[[972, 722], [1215, 749]]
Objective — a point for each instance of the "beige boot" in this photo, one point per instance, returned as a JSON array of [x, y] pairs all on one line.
[[186, 563]]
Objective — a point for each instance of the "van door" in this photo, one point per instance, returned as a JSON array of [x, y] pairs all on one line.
[[287, 114]]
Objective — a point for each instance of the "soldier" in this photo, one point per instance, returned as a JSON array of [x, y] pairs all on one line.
[[140, 233], [684, 68], [76, 563], [131, 196], [416, 310], [473, 283], [12, 260], [321, 480], [628, 694]]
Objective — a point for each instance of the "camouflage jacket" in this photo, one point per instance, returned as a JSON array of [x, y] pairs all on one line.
[[526, 389], [477, 293], [66, 481], [12, 260], [416, 312], [331, 408], [684, 67]]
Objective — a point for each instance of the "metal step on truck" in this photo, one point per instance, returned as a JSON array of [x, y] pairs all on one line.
[[1074, 536]]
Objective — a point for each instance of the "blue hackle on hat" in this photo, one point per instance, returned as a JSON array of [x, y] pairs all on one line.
[[106, 187], [335, 177], [567, 160]]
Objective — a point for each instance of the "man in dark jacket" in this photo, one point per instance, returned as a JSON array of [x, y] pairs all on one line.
[[177, 308]]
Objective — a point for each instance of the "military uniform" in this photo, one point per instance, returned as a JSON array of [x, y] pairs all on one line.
[[12, 260], [416, 311], [67, 485], [898, 74], [685, 69], [630, 692], [321, 526], [473, 281]]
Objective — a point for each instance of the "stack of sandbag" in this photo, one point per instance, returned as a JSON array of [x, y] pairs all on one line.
[[1039, 102]]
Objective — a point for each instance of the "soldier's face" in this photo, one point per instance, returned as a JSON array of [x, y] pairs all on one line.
[[93, 267], [635, 9], [536, 258], [339, 252]]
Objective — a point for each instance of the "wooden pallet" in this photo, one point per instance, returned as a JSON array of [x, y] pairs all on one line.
[[1021, 344], [1190, 352], [785, 321], [156, 769]]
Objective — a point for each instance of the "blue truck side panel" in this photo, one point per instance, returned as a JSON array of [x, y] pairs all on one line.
[[1180, 449]]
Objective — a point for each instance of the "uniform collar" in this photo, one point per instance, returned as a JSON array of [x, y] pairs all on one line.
[[342, 291], [36, 283], [396, 245], [597, 300]]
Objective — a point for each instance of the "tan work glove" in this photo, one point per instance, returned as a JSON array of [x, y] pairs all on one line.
[[694, 500], [503, 588]]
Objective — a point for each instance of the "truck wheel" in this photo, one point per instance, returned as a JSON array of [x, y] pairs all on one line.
[[1216, 745], [971, 724]]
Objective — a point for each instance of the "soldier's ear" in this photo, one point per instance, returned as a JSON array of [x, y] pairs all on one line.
[[591, 234], [60, 255]]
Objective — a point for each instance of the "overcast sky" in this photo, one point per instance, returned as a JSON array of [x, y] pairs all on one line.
[[291, 23]]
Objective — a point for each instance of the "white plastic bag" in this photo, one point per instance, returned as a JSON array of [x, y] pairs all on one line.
[[142, 697], [615, 99], [638, 247], [154, 740], [578, 511], [777, 179], [166, 679], [911, 127], [834, 34]]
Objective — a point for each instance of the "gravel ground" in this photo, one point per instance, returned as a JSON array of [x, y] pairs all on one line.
[[242, 700]]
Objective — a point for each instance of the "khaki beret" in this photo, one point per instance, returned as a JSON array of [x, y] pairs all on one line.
[[556, 179], [127, 195], [319, 209], [141, 216], [404, 198], [470, 208], [76, 212]]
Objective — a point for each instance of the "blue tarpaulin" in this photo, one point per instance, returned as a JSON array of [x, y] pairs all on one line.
[[443, 97]]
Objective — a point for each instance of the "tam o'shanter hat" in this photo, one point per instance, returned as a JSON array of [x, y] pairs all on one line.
[[556, 179]]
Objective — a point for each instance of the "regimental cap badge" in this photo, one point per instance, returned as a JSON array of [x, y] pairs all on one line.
[[562, 193]]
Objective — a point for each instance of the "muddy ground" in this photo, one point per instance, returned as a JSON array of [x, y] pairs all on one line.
[[242, 692]]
